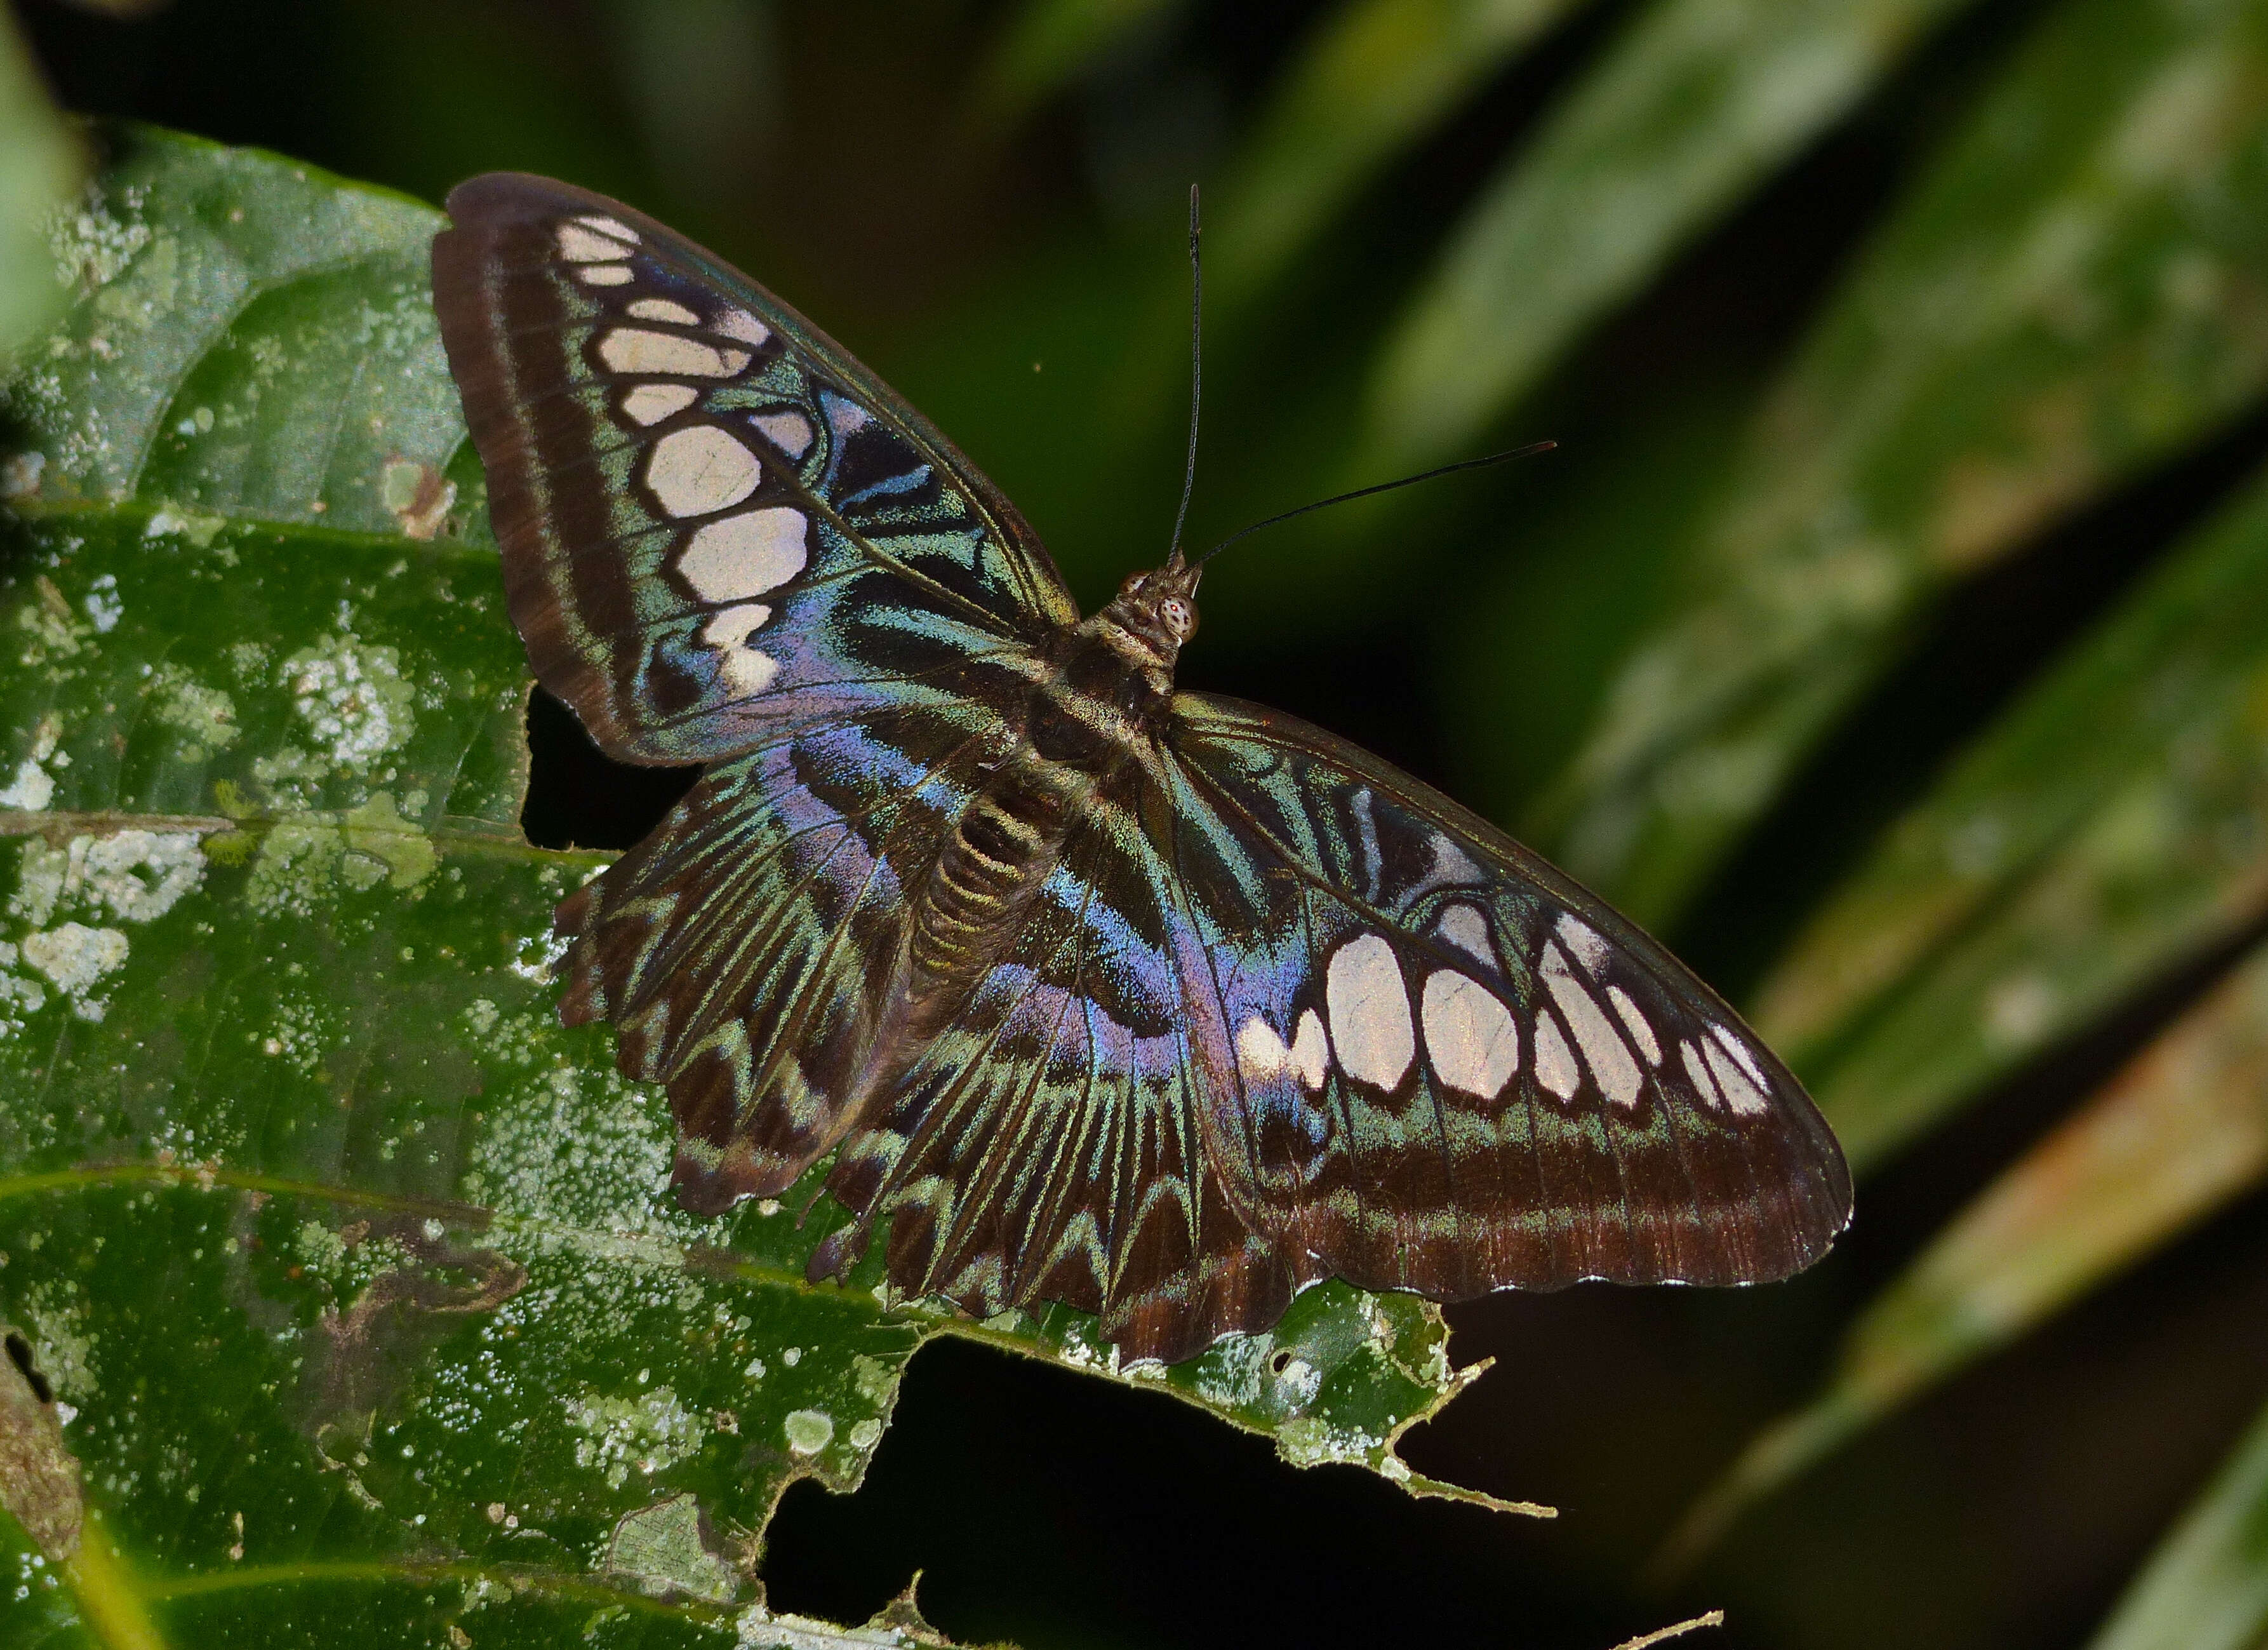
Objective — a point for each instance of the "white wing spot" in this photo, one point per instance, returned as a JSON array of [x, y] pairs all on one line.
[[700, 469], [1470, 1035], [1611, 1063], [1703, 1083], [1464, 927], [664, 309], [747, 671], [635, 350], [606, 225], [847, 417], [1584, 940], [1635, 1023], [1740, 1094], [789, 431], [650, 404], [1311, 1051], [1555, 1063], [1451, 863], [731, 626], [1739, 1050], [738, 323], [1370, 1012], [580, 244], [1260, 1053], [746, 555], [604, 274]]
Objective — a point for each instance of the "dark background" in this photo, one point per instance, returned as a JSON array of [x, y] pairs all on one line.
[[992, 276]]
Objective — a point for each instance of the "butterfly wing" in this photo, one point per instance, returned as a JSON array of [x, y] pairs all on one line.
[[742, 949], [725, 541], [1050, 1146], [716, 524], [1437, 1063]]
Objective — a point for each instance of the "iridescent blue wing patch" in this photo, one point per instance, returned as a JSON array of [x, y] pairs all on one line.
[[716, 524], [1050, 1145], [742, 949], [1438, 1064]]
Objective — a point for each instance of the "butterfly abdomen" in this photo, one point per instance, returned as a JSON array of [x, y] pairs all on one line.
[[1080, 723], [1000, 854]]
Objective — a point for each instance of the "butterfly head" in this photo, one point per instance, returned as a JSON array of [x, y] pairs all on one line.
[[1157, 611]]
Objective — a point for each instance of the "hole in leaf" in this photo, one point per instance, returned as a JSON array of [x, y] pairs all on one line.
[[579, 796], [1278, 1364], [19, 1354]]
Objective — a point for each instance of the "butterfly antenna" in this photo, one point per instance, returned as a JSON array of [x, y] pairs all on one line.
[[1506, 457], [1197, 379]]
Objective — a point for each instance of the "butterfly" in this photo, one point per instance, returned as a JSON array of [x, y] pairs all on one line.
[[1098, 990]]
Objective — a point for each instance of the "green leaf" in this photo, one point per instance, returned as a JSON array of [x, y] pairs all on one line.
[[2206, 1586], [1051, 43], [357, 1272], [39, 166], [1698, 102], [2074, 293], [1373, 79], [2178, 1134], [2104, 829]]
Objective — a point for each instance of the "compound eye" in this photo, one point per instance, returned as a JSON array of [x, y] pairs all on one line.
[[1134, 582], [1176, 613]]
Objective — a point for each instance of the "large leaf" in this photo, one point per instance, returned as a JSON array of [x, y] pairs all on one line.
[[353, 1268], [1051, 43], [1375, 78], [2206, 1587], [39, 165], [2179, 1133], [2107, 828], [1699, 100], [2079, 289]]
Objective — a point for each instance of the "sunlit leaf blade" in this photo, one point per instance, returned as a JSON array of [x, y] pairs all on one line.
[[39, 166], [1051, 43], [2105, 829], [1375, 78], [2073, 293], [2206, 1586], [2181, 1131], [355, 1270], [1697, 101]]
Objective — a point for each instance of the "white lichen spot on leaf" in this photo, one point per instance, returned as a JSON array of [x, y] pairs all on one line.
[[353, 700], [77, 958], [645, 1432], [102, 606], [205, 717], [192, 526], [91, 243], [132, 876], [34, 787], [809, 1431]]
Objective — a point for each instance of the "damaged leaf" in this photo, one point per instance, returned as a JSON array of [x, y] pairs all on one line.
[[356, 1268]]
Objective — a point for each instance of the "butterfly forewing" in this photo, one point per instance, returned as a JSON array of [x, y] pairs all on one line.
[[715, 523], [1449, 1068]]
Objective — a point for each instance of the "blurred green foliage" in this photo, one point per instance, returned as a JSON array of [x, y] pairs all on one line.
[[1885, 631]]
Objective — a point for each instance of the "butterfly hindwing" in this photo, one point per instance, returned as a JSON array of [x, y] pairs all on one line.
[[742, 948], [1050, 1147], [1439, 1064], [715, 523]]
